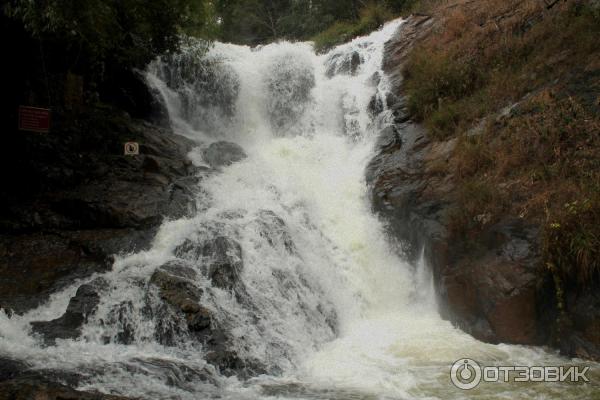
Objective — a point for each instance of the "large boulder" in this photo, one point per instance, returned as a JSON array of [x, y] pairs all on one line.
[[79, 201], [175, 282], [81, 306], [222, 154], [492, 293], [10, 369], [343, 63], [177, 288], [220, 259]]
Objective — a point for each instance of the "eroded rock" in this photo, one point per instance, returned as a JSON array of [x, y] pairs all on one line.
[[78, 201], [343, 64], [489, 281], [222, 154], [39, 389], [80, 307], [220, 259]]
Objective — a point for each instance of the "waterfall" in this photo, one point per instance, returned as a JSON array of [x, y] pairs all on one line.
[[283, 285]]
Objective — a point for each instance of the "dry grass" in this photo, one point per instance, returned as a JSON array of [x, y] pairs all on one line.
[[541, 163], [486, 54]]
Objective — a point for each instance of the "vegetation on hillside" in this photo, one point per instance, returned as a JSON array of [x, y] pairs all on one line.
[[327, 22], [125, 33], [517, 84], [370, 18]]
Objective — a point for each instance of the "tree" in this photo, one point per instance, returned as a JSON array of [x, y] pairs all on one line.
[[122, 33]]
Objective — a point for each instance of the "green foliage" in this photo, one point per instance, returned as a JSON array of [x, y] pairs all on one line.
[[126, 33], [260, 21], [572, 240], [371, 17], [337, 33]]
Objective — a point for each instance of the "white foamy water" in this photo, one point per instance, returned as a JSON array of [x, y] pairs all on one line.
[[328, 305]]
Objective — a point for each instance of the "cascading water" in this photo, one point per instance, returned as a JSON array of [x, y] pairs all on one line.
[[284, 284]]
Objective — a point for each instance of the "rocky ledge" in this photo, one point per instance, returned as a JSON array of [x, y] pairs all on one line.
[[491, 286], [72, 200]]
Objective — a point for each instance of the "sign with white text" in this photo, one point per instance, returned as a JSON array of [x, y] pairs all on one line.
[[34, 119]]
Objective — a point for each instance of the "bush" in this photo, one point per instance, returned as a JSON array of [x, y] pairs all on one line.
[[572, 241], [120, 33], [372, 16], [337, 33], [435, 80]]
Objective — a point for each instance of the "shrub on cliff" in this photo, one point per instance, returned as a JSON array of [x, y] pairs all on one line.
[[371, 16]]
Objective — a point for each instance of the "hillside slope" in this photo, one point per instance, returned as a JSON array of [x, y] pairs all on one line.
[[494, 168]]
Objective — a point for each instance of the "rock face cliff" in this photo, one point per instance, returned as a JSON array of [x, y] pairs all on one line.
[[492, 285], [71, 201], [79, 200]]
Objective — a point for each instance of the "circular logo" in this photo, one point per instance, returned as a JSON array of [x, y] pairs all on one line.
[[465, 374], [132, 149]]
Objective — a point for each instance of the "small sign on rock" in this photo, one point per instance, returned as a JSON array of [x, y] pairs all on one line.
[[132, 149]]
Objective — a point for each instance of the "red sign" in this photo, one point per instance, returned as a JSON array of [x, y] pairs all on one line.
[[34, 119]]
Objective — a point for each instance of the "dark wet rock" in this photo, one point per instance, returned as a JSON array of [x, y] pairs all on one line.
[[10, 369], [583, 335], [492, 293], [375, 79], [376, 105], [220, 259], [229, 363], [488, 283], [80, 307], [175, 282], [34, 388], [119, 317], [177, 374], [33, 266], [186, 316], [223, 261], [129, 91], [273, 228], [223, 154], [78, 200], [487, 286], [343, 64]]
